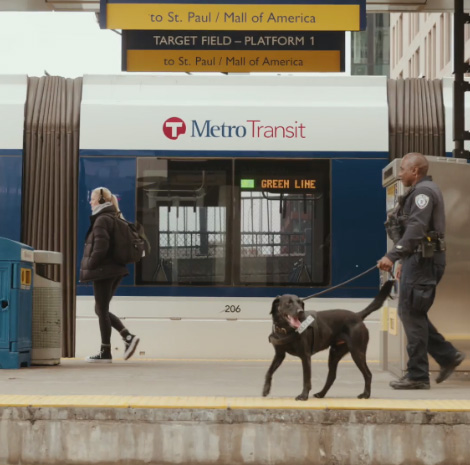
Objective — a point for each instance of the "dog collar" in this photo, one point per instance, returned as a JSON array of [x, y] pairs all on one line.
[[281, 336], [277, 340], [279, 330]]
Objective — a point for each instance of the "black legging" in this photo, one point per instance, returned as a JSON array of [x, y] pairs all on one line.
[[104, 290]]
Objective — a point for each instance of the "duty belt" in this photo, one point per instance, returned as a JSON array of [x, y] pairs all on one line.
[[434, 245], [427, 248]]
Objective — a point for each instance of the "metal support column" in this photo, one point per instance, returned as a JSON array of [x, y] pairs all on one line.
[[460, 86]]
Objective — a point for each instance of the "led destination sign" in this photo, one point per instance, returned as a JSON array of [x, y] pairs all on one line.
[[264, 15], [279, 184]]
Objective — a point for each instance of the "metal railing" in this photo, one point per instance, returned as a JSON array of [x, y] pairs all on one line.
[[212, 244]]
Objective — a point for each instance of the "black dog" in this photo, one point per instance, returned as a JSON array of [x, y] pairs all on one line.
[[342, 331]]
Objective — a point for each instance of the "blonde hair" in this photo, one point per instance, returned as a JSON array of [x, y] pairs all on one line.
[[108, 196]]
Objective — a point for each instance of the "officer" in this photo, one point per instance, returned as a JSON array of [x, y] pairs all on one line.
[[421, 248]]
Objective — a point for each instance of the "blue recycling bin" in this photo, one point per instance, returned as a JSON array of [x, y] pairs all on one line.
[[16, 303]]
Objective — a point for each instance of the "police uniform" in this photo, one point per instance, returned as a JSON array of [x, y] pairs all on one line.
[[423, 218]]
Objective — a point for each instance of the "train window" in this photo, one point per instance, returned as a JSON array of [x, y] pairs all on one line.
[[183, 207], [284, 222], [234, 222]]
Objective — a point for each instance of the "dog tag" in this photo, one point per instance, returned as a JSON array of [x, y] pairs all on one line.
[[305, 324]]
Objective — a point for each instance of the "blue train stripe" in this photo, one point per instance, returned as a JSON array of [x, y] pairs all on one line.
[[232, 292], [11, 152]]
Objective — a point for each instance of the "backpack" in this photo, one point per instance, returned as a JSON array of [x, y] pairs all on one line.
[[129, 247]]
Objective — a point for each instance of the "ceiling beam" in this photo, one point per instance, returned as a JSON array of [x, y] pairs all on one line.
[[373, 6], [50, 5]]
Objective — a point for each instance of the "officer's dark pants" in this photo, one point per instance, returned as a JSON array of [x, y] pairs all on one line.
[[419, 278]]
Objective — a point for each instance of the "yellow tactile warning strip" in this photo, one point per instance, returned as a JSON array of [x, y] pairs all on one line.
[[233, 403]]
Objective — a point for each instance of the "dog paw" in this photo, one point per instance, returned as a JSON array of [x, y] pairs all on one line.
[[319, 395], [302, 397], [364, 395]]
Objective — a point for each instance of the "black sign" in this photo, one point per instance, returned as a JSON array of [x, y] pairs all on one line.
[[232, 40]]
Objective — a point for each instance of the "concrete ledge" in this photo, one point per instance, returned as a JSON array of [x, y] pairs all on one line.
[[226, 436]]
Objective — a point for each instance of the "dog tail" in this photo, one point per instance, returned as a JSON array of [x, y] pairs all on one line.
[[379, 299]]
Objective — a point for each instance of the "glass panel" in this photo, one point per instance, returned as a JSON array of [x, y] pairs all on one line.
[[359, 47], [370, 49], [183, 208], [382, 47], [284, 222]]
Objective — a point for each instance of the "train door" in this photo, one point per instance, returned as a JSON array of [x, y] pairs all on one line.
[[234, 222]]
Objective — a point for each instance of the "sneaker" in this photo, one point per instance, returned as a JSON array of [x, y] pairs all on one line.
[[407, 383], [447, 370], [101, 357], [130, 343]]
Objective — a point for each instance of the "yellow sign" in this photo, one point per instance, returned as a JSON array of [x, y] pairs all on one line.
[[384, 320], [233, 17], [391, 196], [234, 61], [25, 277], [393, 321]]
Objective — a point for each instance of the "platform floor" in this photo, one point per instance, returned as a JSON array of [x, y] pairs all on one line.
[[176, 412], [163, 383]]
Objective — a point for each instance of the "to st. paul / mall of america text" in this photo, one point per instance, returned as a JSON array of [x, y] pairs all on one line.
[[233, 18]]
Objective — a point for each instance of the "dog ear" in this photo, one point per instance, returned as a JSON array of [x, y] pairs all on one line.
[[275, 305]]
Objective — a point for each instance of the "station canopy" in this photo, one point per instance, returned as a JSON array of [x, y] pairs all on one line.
[[372, 6]]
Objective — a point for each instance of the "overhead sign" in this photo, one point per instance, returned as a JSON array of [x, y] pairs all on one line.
[[233, 62], [232, 40], [264, 15], [232, 51]]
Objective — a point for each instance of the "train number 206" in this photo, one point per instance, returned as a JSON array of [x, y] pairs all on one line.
[[232, 309]]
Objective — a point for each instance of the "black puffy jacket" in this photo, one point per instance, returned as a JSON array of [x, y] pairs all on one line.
[[97, 262]]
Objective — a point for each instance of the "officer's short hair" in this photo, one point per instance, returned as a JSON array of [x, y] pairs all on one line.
[[420, 161]]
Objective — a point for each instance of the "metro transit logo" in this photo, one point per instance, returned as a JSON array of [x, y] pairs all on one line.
[[174, 127], [253, 129]]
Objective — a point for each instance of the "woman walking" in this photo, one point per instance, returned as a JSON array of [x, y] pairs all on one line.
[[99, 267]]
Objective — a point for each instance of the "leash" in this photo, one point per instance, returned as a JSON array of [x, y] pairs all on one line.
[[345, 282]]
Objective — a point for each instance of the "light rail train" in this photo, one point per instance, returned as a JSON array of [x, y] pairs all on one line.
[[247, 187]]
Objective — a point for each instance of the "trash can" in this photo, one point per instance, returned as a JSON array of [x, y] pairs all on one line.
[[16, 298], [47, 308]]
